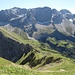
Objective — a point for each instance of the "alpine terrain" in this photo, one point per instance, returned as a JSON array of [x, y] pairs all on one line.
[[37, 41]]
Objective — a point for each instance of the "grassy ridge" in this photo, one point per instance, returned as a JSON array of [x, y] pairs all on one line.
[[66, 67]]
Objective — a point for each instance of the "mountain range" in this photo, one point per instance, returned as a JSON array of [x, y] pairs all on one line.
[[29, 19], [40, 38]]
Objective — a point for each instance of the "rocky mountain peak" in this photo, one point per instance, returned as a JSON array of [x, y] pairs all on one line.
[[65, 11], [26, 19]]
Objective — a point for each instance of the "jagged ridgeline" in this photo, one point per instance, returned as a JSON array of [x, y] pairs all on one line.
[[39, 19]]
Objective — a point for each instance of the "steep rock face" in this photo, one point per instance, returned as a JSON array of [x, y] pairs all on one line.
[[39, 14], [42, 15], [73, 21], [57, 19], [27, 19], [6, 15], [12, 50]]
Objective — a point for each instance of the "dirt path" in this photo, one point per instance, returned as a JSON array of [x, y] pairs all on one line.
[[61, 70]]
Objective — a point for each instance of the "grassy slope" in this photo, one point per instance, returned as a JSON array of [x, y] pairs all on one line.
[[67, 67], [13, 69], [18, 38]]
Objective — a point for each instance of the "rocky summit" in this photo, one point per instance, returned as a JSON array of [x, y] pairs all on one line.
[[28, 19]]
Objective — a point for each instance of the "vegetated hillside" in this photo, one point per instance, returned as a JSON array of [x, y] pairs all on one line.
[[59, 41], [38, 56], [17, 31], [66, 68], [10, 46], [13, 48]]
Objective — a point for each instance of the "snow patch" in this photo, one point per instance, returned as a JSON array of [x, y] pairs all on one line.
[[71, 20]]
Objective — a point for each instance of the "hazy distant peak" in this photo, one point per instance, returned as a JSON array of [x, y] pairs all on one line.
[[64, 11]]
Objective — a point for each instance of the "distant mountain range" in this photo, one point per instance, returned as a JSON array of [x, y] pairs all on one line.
[[28, 19]]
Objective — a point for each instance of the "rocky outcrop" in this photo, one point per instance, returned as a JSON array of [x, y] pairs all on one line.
[[32, 60], [42, 14], [12, 50]]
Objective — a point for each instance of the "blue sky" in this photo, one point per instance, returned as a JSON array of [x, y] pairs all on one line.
[[58, 4]]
